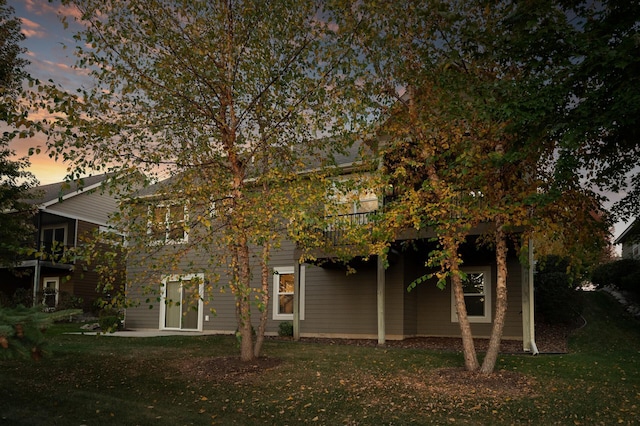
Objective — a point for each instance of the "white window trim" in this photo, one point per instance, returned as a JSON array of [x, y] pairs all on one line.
[[276, 282], [167, 216], [163, 304], [64, 226], [486, 318]]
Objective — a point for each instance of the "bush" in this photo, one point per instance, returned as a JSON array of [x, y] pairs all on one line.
[[558, 300], [285, 329], [110, 320], [67, 300], [620, 274]]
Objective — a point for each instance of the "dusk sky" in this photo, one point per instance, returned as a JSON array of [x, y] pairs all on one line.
[[45, 42]]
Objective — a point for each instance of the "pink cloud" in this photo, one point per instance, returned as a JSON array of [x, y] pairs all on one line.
[[43, 8], [32, 29]]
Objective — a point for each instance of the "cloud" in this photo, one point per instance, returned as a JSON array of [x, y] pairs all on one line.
[[44, 8], [32, 29]]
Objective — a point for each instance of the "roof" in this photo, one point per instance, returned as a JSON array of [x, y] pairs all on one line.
[[46, 195], [632, 233], [350, 157]]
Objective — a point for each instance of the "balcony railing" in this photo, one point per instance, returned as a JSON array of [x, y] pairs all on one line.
[[339, 226]]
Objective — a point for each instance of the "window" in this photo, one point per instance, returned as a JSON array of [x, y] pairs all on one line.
[[477, 295], [168, 223], [283, 288], [54, 238]]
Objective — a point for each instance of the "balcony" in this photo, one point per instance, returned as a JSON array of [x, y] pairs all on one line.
[[341, 229]]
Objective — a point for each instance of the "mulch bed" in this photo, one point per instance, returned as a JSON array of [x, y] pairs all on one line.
[[550, 339]]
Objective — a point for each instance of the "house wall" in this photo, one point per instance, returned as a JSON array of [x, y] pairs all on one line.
[[93, 206], [631, 250], [434, 307], [341, 305]]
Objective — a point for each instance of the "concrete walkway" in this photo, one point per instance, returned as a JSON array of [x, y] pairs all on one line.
[[146, 333]]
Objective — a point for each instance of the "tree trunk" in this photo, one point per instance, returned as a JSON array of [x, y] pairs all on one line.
[[468, 347], [264, 301], [489, 362], [243, 298]]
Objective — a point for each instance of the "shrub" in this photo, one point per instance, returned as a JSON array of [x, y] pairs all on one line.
[[558, 300], [110, 320], [619, 273], [285, 329], [67, 300]]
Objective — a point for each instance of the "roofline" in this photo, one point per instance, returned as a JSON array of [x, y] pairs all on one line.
[[344, 168], [626, 231], [71, 194]]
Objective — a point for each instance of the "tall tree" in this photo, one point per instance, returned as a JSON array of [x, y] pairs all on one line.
[[468, 143], [598, 127], [228, 98], [15, 180]]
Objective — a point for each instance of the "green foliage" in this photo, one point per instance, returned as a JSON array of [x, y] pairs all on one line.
[[21, 331], [622, 274], [285, 329], [15, 182], [110, 319], [67, 300], [558, 300]]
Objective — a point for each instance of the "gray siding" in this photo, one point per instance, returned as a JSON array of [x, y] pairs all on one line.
[[92, 206], [341, 305]]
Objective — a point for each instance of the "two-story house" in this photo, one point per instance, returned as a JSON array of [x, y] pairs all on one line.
[[321, 298], [66, 213]]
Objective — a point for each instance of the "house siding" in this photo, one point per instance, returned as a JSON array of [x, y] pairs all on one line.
[[342, 305], [93, 206]]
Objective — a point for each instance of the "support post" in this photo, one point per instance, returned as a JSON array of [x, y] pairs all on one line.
[[36, 282], [381, 284], [528, 306]]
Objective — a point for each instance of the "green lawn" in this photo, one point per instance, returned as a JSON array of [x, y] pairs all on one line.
[[96, 380]]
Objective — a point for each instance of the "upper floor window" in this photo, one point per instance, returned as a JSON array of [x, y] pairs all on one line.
[[168, 223], [353, 196], [54, 238], [477, 295]]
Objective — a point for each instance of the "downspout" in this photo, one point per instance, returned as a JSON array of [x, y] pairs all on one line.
[[296, 300], [532, 328]]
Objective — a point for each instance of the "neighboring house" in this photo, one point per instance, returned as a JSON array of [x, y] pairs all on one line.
[[630, 240], [372, 303], [66, 212]]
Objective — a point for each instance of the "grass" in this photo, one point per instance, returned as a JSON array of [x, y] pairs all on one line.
[[98, 380]]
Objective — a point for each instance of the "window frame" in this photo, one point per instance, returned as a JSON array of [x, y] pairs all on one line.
[[487, 289], [167, 223], [65, 234], [284, 270]]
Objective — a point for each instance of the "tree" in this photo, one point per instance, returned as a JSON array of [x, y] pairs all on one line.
[[15, 181], [467, 141], [232, 100], [598, 127]]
